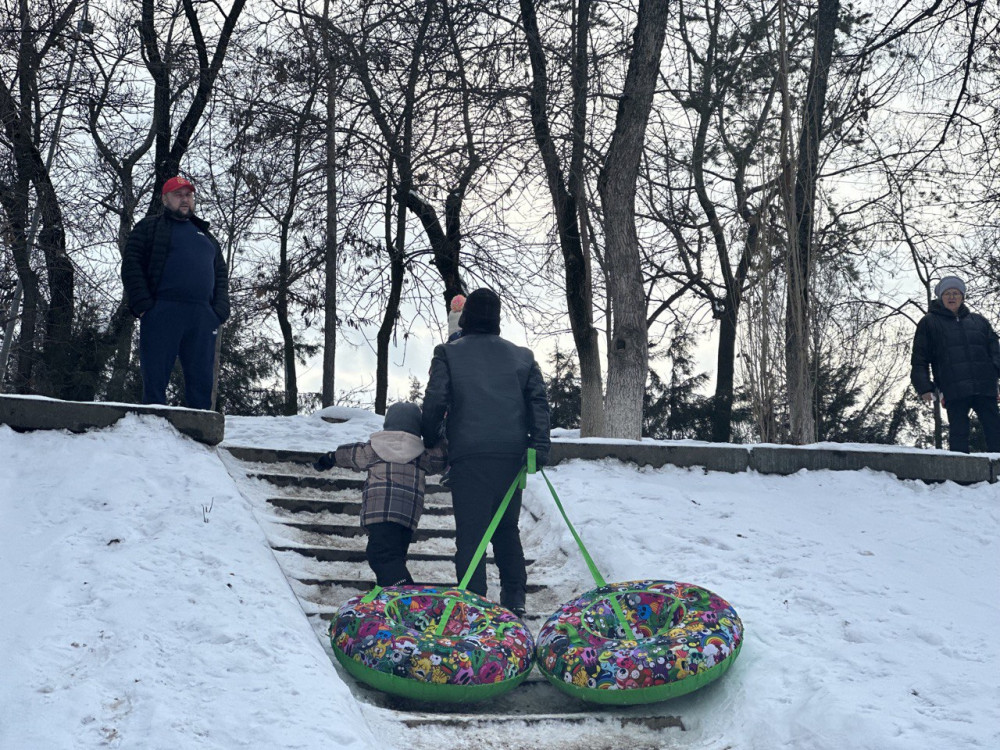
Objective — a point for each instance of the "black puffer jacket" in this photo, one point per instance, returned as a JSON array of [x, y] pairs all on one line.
[[961, 350], [494, 396], [145, 255]]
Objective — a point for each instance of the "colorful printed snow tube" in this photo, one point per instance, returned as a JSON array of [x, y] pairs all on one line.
[[685, 637], [391, 643]]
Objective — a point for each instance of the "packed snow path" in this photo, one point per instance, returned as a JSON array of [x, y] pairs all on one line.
[[311, 521]]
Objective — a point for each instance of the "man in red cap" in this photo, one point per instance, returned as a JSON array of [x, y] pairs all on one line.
[[177, 284]]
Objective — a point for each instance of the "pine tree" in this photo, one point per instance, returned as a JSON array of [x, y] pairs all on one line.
[[564, 391]]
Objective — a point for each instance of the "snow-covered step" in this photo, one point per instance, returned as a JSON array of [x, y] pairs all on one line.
[[273, 455], [280, 517], [333, 591], [320, 482], [605, 721], [353, 567], [339, 554], [310, 481], [314, 504], [281, 536], [355, 530]]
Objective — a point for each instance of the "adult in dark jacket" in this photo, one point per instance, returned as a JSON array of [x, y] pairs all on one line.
[[961, 350], [494, 396], [177, 284]]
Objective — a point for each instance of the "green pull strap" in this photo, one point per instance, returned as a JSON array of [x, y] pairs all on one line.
[[598, 578], [518, 483], [370, 596]]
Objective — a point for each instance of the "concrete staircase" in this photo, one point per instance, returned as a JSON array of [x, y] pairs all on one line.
[[311, 521]]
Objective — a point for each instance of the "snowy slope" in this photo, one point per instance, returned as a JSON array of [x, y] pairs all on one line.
[[136, 618]]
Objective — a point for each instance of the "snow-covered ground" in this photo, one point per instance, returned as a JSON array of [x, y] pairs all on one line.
[[142, 607]]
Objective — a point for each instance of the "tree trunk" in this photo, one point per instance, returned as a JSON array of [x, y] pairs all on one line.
[[396, 248], [330, 251], [122, 328], [10, 326], [722, 411], [169, 154], [588, 342], [14, 199], [291, 406], [628, 357], [281, 309], [22, 381], [445, 245], [567, 202], [27, 353], [57, 349], [799, 378]]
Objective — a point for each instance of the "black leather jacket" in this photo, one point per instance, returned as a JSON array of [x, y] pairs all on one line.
[[960, 349], [494, 397]]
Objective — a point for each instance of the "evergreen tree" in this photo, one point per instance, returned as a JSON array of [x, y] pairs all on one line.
[[564, 391], [846, 414], [416, 394], [676, 410]]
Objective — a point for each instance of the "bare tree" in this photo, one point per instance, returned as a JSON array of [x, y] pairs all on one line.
[[171, 145], [332, 214], [39, 35], [800, 258], [628, 356], [568, 194]]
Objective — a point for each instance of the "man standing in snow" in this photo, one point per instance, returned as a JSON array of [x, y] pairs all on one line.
[[961, 349], [177, 284], [494, 396]]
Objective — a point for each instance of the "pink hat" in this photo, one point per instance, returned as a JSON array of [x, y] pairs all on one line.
[[457, 302]]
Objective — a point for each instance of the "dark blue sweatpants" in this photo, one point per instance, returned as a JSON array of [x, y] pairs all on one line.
[[172, 329]]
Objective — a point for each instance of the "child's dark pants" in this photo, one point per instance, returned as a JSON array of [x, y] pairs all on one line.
[[388, 544]]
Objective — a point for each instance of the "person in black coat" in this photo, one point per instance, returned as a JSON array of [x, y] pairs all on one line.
[[961, 350], [177, 284], [494, 396]]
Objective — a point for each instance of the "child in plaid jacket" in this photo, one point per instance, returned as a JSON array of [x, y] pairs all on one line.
[[392, 498]]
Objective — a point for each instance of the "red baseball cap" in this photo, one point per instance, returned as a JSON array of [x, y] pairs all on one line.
[[176, 183]]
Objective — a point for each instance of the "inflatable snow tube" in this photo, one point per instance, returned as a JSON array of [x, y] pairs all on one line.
[[391, 643], [685, 637]]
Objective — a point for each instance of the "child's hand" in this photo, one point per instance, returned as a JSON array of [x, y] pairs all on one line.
[[325, 462]]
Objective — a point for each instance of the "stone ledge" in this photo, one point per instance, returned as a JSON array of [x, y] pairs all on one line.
[[765, 459], [726, 458], [776, 459], [24, 413], [927, 467]]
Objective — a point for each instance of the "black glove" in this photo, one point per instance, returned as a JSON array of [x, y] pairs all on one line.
[[541, 458], [325, 462]]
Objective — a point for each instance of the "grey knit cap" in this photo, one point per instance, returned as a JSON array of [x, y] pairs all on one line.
[[402, 417], [949, 282]]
